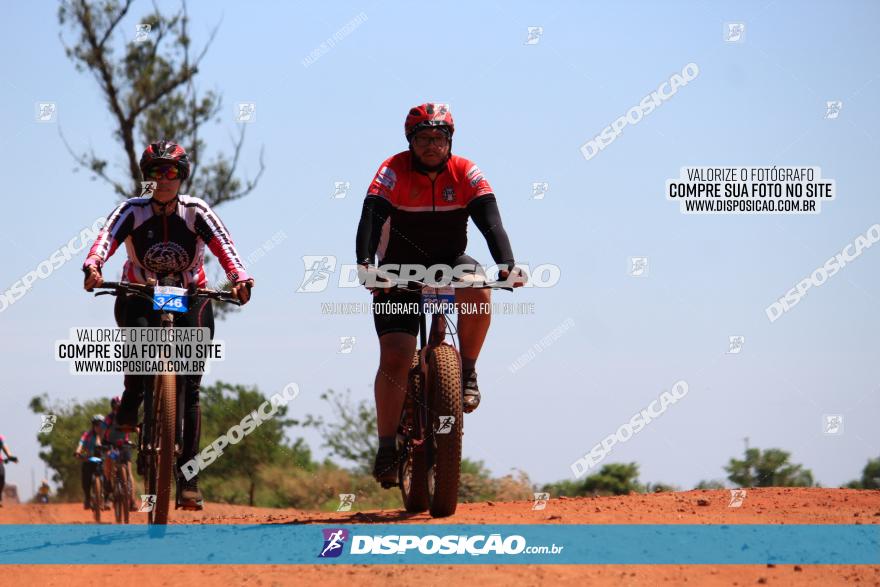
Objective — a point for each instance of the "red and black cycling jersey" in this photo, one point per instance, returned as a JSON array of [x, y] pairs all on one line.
[[89, 442], [112, 435], [172, 245], [409, 218]]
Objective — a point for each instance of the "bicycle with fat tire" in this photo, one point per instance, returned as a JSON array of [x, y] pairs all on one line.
[[432, 422], [160, 438]]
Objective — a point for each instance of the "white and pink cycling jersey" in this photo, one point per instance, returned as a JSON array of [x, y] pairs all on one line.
[[172, 245]]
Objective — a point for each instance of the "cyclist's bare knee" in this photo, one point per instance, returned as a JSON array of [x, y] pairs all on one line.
[[472, 295], [396, 350]]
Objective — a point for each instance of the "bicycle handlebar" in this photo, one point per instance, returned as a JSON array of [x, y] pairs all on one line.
[[146, 291]]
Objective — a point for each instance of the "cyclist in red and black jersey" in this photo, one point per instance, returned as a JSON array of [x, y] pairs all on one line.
[[89, 445], [416, 212], [113, 436], [165, 235]]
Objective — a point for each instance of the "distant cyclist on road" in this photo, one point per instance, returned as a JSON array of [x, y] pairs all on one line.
[[4, 449], [90, 446], [113, 436], [416, 212], [43, 492], [165, 235]]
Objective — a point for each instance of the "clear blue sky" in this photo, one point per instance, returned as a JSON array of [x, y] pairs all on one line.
[[522, 112]]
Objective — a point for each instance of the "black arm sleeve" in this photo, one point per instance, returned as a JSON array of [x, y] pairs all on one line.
[[373, 215], [484, 211]]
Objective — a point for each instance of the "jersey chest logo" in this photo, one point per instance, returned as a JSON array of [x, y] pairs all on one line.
[[166, 257], [449, 194]]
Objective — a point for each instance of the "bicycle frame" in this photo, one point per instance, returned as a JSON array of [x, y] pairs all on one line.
[[148, 445], [428, 340], [119, 478], [166, 320], [430, 470]]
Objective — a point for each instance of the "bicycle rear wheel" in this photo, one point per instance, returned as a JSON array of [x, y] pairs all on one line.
[[446, 426], [97, 496], [126, 493], [414, 468], [161, 471], [117, 491]]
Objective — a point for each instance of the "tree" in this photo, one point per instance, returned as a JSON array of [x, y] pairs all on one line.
[[351, 435], [477, 484], [660, 487], [712, 484], [870, 476], [612, 479], [150, 91], [223, 406], [59, 444], [770, 468]]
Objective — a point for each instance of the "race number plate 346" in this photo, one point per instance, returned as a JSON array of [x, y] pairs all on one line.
[[438, 300], [170, 299]]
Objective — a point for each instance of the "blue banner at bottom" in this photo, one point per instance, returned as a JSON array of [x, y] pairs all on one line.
[[738, 544]]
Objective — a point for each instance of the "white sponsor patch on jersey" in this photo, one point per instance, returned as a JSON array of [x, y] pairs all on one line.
[[386, 178], [474, 175]]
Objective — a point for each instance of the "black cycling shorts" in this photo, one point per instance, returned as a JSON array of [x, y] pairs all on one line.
[[398, 311]]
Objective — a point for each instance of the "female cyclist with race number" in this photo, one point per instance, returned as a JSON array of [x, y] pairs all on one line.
[[165, 236]]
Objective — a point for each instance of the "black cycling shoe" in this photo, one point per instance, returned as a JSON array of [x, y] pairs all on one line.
[[188, 495], [385, 468], [471, 393]]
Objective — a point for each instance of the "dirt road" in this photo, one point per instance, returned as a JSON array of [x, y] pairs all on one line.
[[761, 506]]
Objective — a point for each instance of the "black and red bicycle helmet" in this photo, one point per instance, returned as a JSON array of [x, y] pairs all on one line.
[[430, 115], [164, 152]]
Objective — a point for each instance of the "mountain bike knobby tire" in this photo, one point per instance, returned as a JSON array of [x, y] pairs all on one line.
[[164, 459], [97, 496], [126, 490], [445, 399], [121, 494], [414, 473], [117, 504]]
